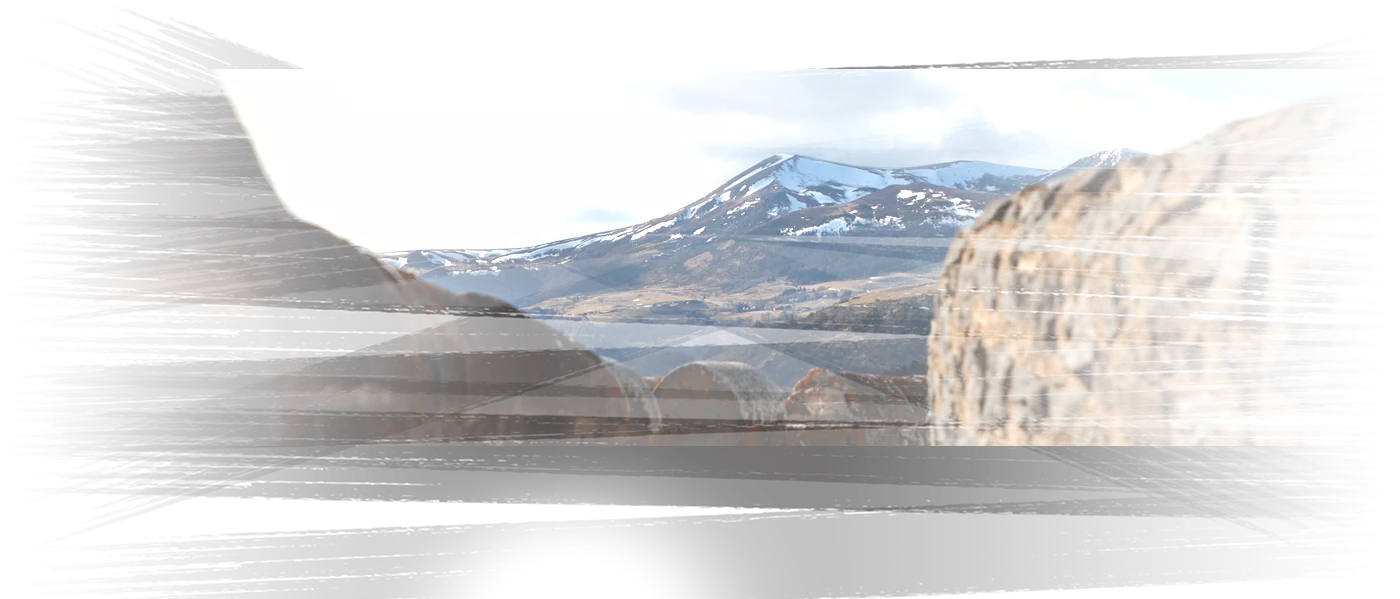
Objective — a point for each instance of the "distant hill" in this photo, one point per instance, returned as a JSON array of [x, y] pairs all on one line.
[[790, 217], [1106, 159], [870, 335], [787, 237]]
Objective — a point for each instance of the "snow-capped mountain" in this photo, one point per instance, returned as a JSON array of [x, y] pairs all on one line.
[[811, 182], [736, 232], [1098, 160]]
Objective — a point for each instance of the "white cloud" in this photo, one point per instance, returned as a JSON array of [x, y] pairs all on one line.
[[508, 158], [1054, 105], [371, 156]]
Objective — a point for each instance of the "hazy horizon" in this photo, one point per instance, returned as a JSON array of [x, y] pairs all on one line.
[[589, 152]]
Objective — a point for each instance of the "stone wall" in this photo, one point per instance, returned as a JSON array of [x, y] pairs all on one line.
[[1228, 293]]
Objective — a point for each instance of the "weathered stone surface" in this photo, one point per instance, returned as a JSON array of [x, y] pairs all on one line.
[[1045, 302], [1189, 247], [1143, 409], [1089, 181], [975, 386], [1031, 398], [1033, 203], [956, 248], [1131, 206], [1010, 291], [966, 438], [994, 402], [1078, 353], [1193, 298], [1199, 419], [984, 261], [1112, 314], [1124, 263], [1091, 434], [993, 213], [1031, 238], [1168, 333], [1236, 293], [1066, 406], [1089, 233]]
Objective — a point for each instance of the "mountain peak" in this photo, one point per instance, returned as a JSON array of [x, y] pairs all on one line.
[[1123, 152], [1102, 159]]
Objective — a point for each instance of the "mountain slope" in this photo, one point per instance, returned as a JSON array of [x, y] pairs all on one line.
[[746, 220], [786, 237], [1106, 159]]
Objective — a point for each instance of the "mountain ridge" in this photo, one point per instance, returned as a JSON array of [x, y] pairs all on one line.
[[769, 163], [744, 232]]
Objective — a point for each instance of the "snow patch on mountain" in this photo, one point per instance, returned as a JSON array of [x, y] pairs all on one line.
[[805, 176], [536, 254], [965, 174], [741, 207], [653, 229], [837, 226], [1098, 160], [759, 185], [780, 185], [794, 205]]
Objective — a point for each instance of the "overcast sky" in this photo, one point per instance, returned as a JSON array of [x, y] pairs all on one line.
[[411, 159]]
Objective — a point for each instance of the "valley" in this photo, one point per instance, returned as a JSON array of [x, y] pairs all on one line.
[[787, 238]]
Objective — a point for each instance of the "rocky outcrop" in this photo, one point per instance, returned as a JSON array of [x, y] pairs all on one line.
[[1191, 298], [641, 402], [881, 410], [718, 403], [729, 403], [158, 293]]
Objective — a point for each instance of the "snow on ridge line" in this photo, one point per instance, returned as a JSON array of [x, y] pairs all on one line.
[[805, 177], [741, 207], [794, 205], [839, 225], [661, 225], [961, 174], [767, 162]]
